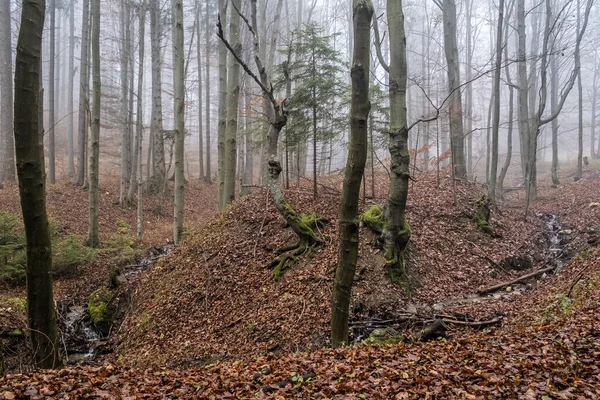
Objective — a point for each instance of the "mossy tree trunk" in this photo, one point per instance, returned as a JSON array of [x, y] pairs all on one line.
[[32, 187], [396, 233], [355, 166]]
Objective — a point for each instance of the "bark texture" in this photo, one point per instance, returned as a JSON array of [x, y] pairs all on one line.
[[32, 187], [355, 165]]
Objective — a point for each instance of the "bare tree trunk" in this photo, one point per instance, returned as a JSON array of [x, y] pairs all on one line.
[[139, 125], [511, 95], [158, 179], [469, 88], [124, 59], [199, 64], [455, 104], [70, 100], [355, 165], [208, 176], [579, 102], [32, 188], [52, 96], [179, 108], [554, 89], [93, 238], [7, 145], [593, 152], [523, 84], [222, 111], [233, 93], [84, 82], [496, 117]]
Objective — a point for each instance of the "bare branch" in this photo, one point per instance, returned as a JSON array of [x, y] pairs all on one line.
[[378, 42]]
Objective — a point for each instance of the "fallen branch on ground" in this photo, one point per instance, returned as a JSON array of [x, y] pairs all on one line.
[[520, 279]]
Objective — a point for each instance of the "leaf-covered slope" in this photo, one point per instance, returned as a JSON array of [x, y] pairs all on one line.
[[215, 297]]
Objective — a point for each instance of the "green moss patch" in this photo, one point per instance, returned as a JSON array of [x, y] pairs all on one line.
[[100, 306], [373, 219]]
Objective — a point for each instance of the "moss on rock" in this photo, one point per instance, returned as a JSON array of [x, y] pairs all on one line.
[[100, 306], [373, 218], [384, 336]]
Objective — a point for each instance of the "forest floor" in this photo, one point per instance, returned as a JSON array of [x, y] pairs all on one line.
[[210, 321]]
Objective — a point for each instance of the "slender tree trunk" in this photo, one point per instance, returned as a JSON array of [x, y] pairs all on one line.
[[7, 145], [455, 104], [511, 95], [139, 126], [52, 96], [84, 90], [523, 84], [496, 117], [593, 152], [554, 89], [125, 165], [137, 150], [93, 239], [233, 93], [579, 102], [70, 100], [355, 165], [222, 110], [179, 108], [158, 180], [32, 187], [199, 61], [469, 88], [208, 176]]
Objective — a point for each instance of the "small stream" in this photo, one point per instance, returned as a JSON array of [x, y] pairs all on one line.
[[83, 342]]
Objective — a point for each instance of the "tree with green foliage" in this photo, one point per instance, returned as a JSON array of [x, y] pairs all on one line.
[[317, 73], [32, 187]]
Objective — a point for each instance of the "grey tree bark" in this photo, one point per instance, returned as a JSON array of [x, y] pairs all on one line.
[[179, 108], [158, 175], [579, 173], [355, 165], [496, 115], [208, 33], [93, 239], [70, 100], [84, 82], [52, 96], [448, 8], [32, 187], [233, 93], [200, 93], [124, 117], [222, 111], [7, 145], [139, 127]]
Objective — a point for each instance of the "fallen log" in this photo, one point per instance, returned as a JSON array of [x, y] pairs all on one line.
[[492, 289]]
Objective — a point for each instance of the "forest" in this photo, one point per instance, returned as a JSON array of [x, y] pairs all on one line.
[[320, 199]]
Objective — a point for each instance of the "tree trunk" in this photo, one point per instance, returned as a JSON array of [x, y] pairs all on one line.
[[208, 176], [7, 145], [554, 90], [139, 125], [222, 111], [179, 109], [158, 179], [93, 239], [84, 83], [355, 165], [124, 86], [579, 173], [199, 64], [523, 84], [469, 88], [233, 93], [70, 100], [593, 152], [511, 95], [496, 116], [396, 233], [32, 188], [52, 96], [455, 103]]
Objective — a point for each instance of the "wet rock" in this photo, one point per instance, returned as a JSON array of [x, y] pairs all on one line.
[[516, 263]]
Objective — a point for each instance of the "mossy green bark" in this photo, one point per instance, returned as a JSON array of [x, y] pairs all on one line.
[[374, 219]]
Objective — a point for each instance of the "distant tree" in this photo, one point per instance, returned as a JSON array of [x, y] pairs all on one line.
[[448, 8], [84, 90], [71, 90], [222, 112], [355, 166], [7, 146], [124, 101], [32, 187], [317, 74], [157, 179]]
